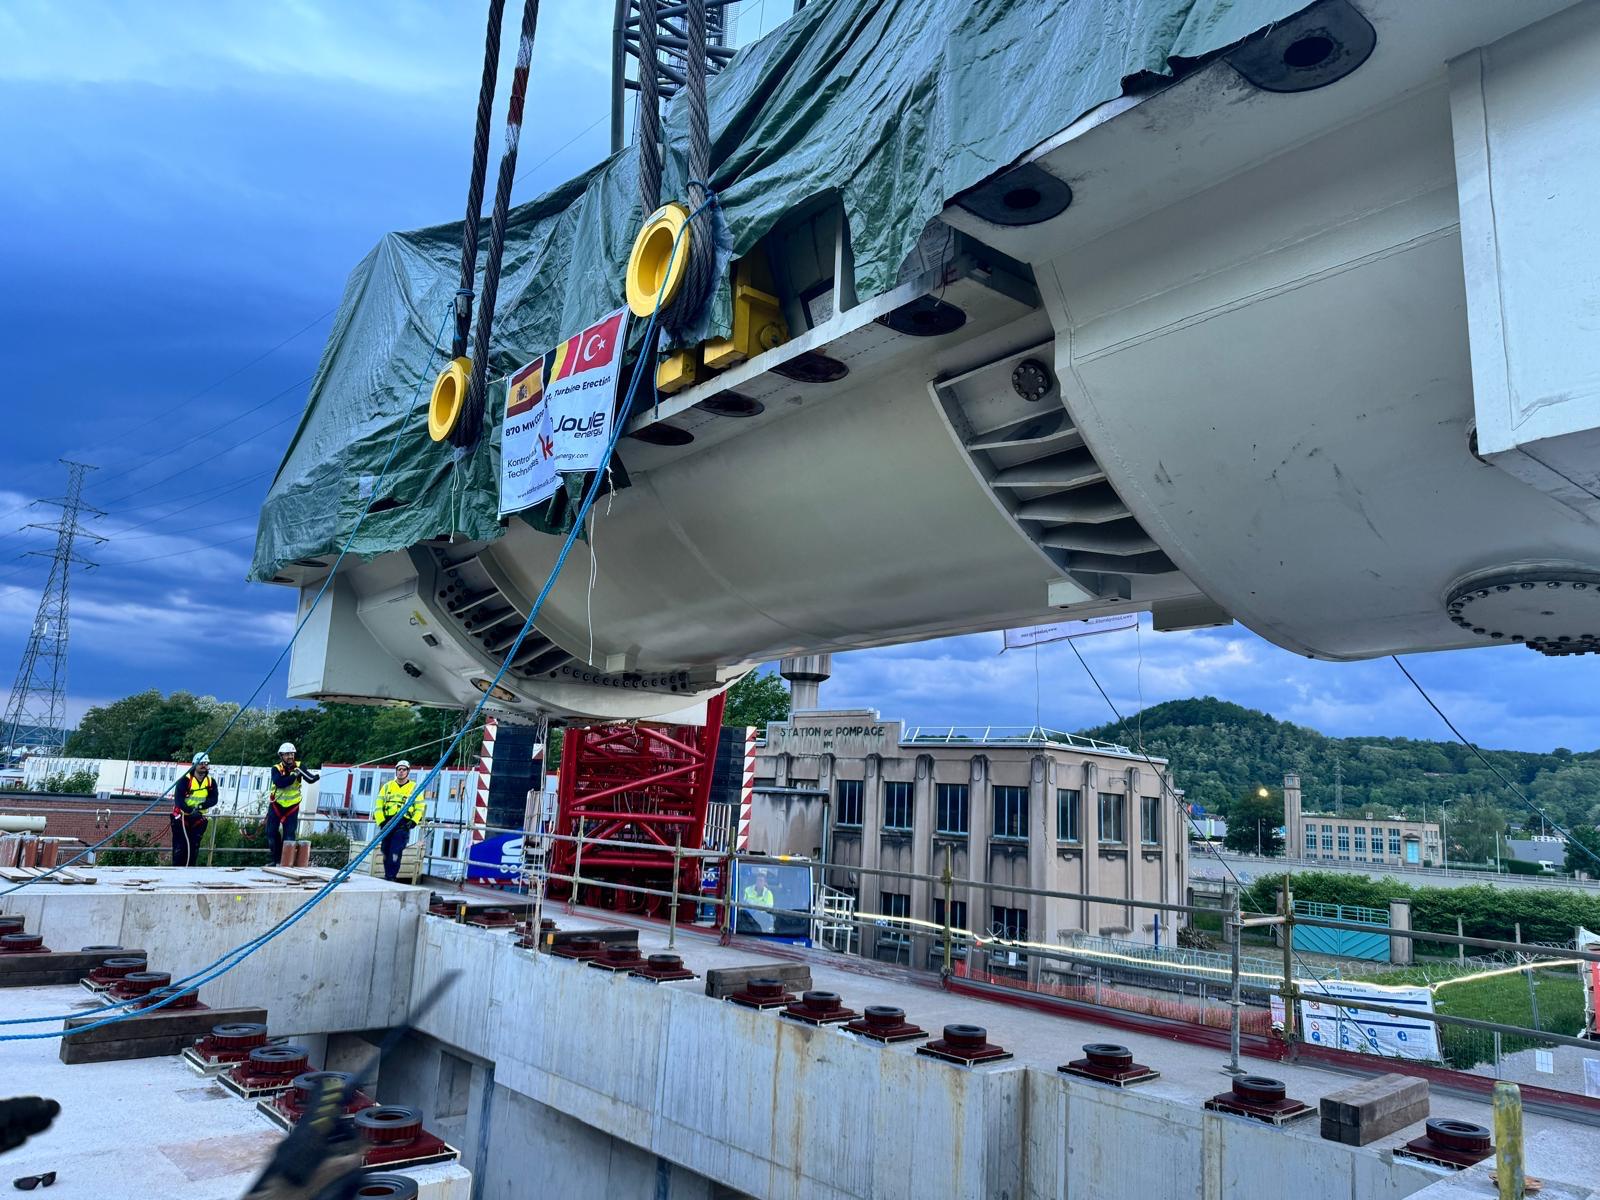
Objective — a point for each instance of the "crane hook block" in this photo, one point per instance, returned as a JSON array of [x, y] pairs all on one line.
[[449, 394], [654, 273]]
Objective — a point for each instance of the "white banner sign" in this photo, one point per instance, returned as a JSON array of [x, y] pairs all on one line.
[[1060, 631], [583, 392], [527, 443], [1326, 1022]]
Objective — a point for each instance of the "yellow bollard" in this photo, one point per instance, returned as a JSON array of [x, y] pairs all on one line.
[[1508, 1141]]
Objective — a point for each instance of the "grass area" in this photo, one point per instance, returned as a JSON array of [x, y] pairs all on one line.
[[1502, 998]]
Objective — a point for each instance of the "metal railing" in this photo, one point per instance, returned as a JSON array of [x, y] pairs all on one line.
[[1465, 874]]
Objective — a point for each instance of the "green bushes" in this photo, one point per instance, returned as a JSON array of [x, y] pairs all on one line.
[[1545, 914]]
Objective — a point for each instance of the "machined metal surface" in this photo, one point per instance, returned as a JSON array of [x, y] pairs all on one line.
[[762, 994], [885, 1023], [1260, 1098], [1106, 1062], [818, 1008]]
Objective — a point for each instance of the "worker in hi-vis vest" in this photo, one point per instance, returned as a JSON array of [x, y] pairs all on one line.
[[193, 796], [398, 796], [283, 812], [759, 895]]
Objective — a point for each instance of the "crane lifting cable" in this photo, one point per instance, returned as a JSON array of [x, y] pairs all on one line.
[[684, 292], [465, 427], [480, 168]]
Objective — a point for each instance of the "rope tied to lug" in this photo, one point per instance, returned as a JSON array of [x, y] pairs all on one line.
[[480, 168], [469, 427]]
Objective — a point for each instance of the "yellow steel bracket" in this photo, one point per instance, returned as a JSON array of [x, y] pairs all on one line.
[[758, 322]]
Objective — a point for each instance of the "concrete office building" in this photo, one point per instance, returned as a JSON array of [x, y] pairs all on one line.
[[1010, 807], [1363, 837]]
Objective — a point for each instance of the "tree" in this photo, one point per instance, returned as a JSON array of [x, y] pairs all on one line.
[[1474, 824], [1253, 821], [758, 698], [1584, 838], [107, 731]]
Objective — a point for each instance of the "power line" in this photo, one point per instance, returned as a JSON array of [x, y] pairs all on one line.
[[234, 374], [166, 450], [184, 470], [1511, 787], [564, 145]]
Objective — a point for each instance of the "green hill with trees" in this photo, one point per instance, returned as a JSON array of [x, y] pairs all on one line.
[[1223, 753]]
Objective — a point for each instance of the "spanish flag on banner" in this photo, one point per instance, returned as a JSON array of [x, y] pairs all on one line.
[[595, 347], [527, 388]]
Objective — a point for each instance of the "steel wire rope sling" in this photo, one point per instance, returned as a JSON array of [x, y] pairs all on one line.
[[238, 954], [657, 282], [456, 409], [372, 498]]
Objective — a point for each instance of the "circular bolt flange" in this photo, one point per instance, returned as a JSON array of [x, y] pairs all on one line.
[[884, 1016], [307, 1083], [1031, 380], [169, 998], [966, 1037], [1553, 610], [820, 1002], [1258, 1089], [20, 943], [666, 962], [98, 949], [1108, 1054], [240, 1035], [390, 1124], [121, 967], [387, 1187], [141, 983], [766, 989], [1024, 195], [1453, 1134], [11, 925], [279, 1060]]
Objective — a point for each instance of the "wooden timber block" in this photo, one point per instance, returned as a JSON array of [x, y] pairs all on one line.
[[1374, 1108], [58, 967], [722, 982], [609, 936], [148, 1035]]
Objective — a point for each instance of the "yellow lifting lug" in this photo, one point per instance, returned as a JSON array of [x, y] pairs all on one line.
[[449, 394], [758, 322], [654, 273], [679, 370]]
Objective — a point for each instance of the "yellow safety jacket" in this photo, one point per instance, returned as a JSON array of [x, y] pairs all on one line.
[[394, 798], [285, 797], [760, 898], [191, 795]]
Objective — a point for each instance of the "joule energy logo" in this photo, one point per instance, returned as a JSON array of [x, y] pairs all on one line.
[[562, 425], [583, 390]]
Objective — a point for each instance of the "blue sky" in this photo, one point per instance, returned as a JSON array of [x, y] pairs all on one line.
[[184, 189]]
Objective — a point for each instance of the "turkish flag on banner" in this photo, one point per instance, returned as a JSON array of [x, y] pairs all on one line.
[[593, 349]]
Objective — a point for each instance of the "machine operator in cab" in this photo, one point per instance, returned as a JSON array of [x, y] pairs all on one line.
[[194, 795], [283, 813], [398, 798]]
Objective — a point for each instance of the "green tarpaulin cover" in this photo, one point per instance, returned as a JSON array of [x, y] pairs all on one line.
[[897, 106]]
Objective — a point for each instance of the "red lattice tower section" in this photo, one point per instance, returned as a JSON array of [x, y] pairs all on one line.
[[641, 784]]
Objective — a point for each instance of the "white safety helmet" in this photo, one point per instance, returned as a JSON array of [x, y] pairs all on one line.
[[402, 764], [286, 748], [201, 760]]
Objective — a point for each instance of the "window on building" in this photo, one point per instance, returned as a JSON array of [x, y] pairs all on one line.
[[897, 806], [1069, 815], [1377, 842], [1011, 812], [451, 846], [1394, 842], [1111, 828], [1327, 839], [1150, 820], [958, 913], [1361, 839], [1009, 923], [847, 802], [950, 809], [1344, 841], [364, 784], [895, 905]]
